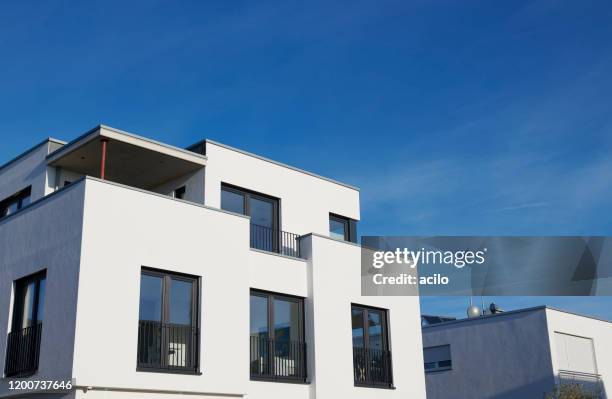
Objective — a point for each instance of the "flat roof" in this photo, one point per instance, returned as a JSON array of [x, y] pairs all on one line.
[[510, 312], [30, 150], [120, 135], [250, 154], [70, 146]]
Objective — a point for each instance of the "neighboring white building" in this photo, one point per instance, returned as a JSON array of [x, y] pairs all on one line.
[[516, 355], [142, 270]]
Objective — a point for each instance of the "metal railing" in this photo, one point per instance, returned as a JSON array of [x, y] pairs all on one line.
[[273, 240], [372, 367], [278, 359], [22, 351], [167, 346], [589, 383]]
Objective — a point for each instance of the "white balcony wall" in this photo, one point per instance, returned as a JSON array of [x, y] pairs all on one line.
[[194, 186], [126, 229], [272, 272]]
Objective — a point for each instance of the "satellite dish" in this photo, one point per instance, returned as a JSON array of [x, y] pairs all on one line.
[[473, 311]]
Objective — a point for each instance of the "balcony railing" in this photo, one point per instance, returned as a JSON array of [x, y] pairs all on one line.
[[589, 383], [273, 240], [22, 351], [372, 367], [278, 359], [167, 347]]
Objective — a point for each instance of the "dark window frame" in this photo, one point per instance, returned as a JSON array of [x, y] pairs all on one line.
[[23, 343], [437, 367], [246, 194], [196, 299], [385, 334], [18, 197], [350, 230], [18, 302], [166, 277], [270, 296], [384, 324]]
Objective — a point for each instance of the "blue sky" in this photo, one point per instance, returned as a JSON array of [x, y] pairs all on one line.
[[453, 117]]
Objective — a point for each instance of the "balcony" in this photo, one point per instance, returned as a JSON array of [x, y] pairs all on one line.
[[372, 368], [276, 241], [167, 347], [125, 158], [588, 382], [278, 360], [22, 351]]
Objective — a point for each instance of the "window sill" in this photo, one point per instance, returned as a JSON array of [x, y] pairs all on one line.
[[281, 380], [438, 370], [375, 386], [167, 371]]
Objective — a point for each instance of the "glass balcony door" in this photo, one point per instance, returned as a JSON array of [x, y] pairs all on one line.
[[167, 329], [262, 209], [278, 350]]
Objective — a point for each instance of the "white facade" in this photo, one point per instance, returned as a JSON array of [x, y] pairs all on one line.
[[519, 354], [93, 237]]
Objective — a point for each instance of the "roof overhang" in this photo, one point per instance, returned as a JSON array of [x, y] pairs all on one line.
[[130, 159]]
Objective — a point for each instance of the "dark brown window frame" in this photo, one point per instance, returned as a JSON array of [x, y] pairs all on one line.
[[350, 230], [23, 343], [166, 276], [366, 346], [270, 296]]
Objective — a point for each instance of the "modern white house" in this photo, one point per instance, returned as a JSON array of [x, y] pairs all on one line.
[[136, 269], [517, 354]]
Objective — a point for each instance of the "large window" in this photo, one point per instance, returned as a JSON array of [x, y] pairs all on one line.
[[23, 344], [15, 202], [437, 358], [278, 350], [371, 354], [263, 211], [342, 228], [168, 333]]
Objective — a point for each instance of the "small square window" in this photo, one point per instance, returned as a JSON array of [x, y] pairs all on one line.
[[179, 193], [342, 228], [437, 358]]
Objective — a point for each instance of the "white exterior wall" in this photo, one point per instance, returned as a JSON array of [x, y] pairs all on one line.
[[504, 357], [64, 176], [306, 200], [272, 272], [334, 284], [45, 236], [194, 186], [30, 169], [126, 229], [598, 330], [103, 233]]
